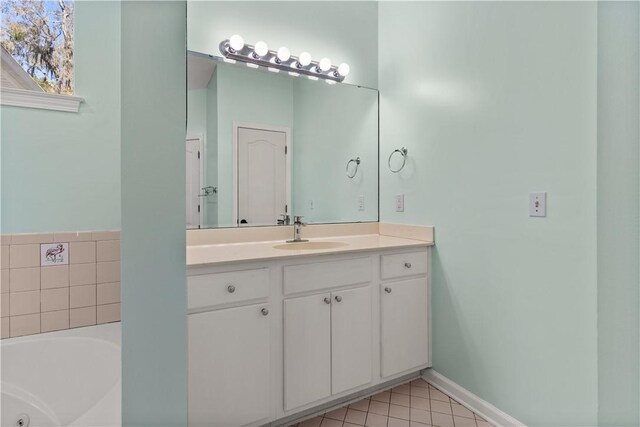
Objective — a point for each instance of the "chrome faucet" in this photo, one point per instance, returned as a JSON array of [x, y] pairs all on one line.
[[297, 226], [284, 219]]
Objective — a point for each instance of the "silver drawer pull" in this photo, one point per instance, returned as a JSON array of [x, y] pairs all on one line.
[[387, 290], [264, 311], [407, 264], [231, 289], [338, 298], [327, 300]]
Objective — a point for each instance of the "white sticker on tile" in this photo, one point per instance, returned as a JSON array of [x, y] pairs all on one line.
[[54, 254]]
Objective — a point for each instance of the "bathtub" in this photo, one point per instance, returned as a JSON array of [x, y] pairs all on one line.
[[64, 378]]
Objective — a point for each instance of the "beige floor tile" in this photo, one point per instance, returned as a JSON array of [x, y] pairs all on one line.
[[82, 252], [420, 416], [380, 408], [398, 422], [313, 422], [350, 425], [375, 420], [461, 411], [337, 414], [478, 417], [355, 417], [24, 325], [441, 420], [402, 389], [328, 422], [397, 411], [54, 277], [464, 422], [384, 396], [417, 424], [439, 406], [54, 299], [420, 392], [435, 394], [483, 423], [362, 405], [420, 403], [24, 279], [54, 320], [21, 256], [400, 399], [420, 383]]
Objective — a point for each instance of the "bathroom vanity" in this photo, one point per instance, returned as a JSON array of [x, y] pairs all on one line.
[[276, 332]]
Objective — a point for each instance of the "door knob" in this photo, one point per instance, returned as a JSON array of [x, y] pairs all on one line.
[[338, 298], [387, 290], [264, 311], [231, 289], [327, 300], [407, 264]]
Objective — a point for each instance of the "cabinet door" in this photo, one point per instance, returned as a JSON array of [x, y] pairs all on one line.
[[229, 366], [307, 349], [351, 340], [405, 326]]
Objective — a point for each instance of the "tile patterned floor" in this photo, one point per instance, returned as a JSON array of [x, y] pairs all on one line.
[[417, 403]]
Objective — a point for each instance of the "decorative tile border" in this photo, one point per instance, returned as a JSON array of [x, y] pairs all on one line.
[[37, 298]]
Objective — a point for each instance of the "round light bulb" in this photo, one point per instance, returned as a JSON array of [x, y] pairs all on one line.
[[261, 48], [284, 54], [304, 59], [325, 64], [236, 42], [343, 69]]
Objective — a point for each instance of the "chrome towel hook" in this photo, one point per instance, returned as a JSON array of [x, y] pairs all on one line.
[[403, 151], [357, 162]]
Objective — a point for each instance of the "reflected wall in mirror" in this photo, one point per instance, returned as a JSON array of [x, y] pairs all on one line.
[[264, 146]]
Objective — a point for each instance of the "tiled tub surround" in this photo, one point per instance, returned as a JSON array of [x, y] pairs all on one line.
[[37, 299]]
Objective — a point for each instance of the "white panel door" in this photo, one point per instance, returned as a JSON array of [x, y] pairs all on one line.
[[405, 326], [262, 180], [307, 349], [229, 366], [351, 339], [193, 183]]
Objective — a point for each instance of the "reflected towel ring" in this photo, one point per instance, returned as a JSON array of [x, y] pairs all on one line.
[[403, 151], [357, 162]]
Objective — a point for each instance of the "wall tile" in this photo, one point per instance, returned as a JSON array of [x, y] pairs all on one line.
[[108, 313], [106, 235], [4, 281], [25, 303], [29, 238], [82, 274], [82, 296], [5, 331], [108, 293], [4, 257], [82, 252], [82, 236], [108, 272], [56, 276], [54, 299], [5, 305], [54, 321], [24, 279], [24, 256], [24, 325], [108, 250], [79, 317], [5, 239]]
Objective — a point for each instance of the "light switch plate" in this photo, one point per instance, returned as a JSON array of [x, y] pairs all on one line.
[[400, 203], [360, 203], [538, 204]]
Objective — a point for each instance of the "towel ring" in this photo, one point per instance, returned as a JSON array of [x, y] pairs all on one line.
[[357, 162], [403, 151]]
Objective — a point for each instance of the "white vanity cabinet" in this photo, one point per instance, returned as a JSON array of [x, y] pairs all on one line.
[[275, 338]]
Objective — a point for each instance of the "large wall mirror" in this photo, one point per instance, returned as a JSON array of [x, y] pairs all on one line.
[[263, 147]]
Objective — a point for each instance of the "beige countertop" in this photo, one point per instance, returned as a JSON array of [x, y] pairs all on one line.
[[215, 254]]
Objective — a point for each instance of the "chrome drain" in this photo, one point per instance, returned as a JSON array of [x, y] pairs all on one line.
[[23, 420]]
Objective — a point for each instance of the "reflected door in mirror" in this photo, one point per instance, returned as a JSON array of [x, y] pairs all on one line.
[[194, 183], [261, 176]]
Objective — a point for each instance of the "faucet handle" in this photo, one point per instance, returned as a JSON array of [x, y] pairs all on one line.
[[298, 220]]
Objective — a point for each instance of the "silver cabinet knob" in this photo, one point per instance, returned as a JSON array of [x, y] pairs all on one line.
[[231, 289], [387, 290], [338, 298], [407, 264], [327, 300], [264, 311]]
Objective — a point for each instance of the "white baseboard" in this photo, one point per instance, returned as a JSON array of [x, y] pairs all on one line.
[[481, 407]]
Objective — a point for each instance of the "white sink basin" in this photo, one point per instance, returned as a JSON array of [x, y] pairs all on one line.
[[310, 245]]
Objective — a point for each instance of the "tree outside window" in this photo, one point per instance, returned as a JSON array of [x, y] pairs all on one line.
[[39, 36]]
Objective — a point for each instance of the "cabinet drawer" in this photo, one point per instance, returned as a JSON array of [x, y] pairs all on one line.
[[402, 265], [323, 275], [209, 290]]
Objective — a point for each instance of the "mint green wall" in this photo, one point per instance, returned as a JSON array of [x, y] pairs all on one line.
[[332, 124], [61, 171], [197, 112], [342, 31], [495, 100], [618, 213], [154, 330]]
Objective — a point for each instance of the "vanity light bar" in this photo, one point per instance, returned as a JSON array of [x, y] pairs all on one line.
[[234, 49]]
